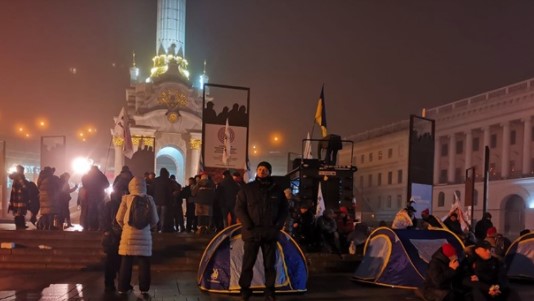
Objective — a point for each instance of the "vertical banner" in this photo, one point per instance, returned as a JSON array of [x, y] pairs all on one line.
[[3, 178], [225, 121], [143, 158], [420, 163], [53, 153]]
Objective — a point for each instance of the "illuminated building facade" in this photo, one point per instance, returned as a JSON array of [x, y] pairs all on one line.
[[500, 119], [165, 110]]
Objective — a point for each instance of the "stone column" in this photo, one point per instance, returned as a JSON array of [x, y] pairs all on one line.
[[505, 157], [195, 143], [437, 156], [486, 141], [119, 157], [527, 137], [452, 157], [468, 148]]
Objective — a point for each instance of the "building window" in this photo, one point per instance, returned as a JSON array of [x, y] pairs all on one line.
[[370, 180], [370, 157], [399, 201], [380, 155], [493, 141], [379, 179], [444, 150], [361, 182], [389, 202], [512, 166], [362, 159], [443, 176], [512, 137], [390, 151], [441, 199], [459, 147], [475, 198], [390, 178], [399, 176], [476, 144]]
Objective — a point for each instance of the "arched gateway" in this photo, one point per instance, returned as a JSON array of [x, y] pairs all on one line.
[[514, 215]]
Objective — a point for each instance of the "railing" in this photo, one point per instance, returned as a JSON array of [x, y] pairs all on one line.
[[484, 97]]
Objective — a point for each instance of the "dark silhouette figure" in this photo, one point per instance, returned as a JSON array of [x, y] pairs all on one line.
[[209, 114], [332, 143]]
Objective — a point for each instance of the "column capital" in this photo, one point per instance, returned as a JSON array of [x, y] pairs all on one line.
[[527, 119], [505, 124]]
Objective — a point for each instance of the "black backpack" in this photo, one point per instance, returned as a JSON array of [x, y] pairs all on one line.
[[139, 212]]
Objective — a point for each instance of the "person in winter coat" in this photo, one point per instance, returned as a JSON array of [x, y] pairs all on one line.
[[95, 183], [482, 226], [262, 209], [204, 194], [327, 228], [135, 243], [443, 275], [185, 194], [486, 276], [48, 185], [64, 199], [227, 192], [20, 198], [163, 197]]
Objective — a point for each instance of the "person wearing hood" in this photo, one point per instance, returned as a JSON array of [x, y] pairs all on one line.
[[442, 276], [135, 243], [262, 209]]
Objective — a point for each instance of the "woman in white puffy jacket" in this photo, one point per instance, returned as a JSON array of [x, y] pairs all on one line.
[[135, 243]]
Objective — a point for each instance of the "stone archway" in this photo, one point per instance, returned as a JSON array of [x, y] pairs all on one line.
[[172, 159], [514, 215]]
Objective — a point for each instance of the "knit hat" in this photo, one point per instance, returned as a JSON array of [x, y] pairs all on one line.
[[426, 211], [483, 244], [491, 232], [343, 209], [448, 250], [266, 165]]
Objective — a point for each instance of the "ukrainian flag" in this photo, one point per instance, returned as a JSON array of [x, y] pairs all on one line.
[[320, 114]]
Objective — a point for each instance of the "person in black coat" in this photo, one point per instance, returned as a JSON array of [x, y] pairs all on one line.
[[442, 275], [486, 276], [482, 226], [226, 194], [262, 209]]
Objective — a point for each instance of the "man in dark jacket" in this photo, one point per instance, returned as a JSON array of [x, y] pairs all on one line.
[[226, 193], [486, 276], [442, 275], [262, 209], [163, 197], [482, 226]]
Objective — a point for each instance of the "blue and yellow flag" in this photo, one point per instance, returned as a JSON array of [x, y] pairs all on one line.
[[320, 114]]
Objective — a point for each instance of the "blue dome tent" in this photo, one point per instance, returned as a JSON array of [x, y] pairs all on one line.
[[400, 258], [220, 266]]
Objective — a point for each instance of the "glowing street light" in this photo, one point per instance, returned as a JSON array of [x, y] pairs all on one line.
[[81, 165]]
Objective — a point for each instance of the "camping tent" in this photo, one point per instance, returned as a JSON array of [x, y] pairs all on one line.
[[220, 266], [399, 258], [520, 258]]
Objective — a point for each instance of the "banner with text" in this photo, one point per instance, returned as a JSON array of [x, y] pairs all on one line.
[[225, 121]]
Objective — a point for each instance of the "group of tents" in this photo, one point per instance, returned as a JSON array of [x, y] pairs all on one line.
[[395, 258]]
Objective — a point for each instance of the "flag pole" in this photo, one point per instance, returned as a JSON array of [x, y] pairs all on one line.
[[107, 156]]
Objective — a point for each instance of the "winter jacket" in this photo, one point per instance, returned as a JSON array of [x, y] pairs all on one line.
[[440, 279], [204, 192], [163, 189], [48, 193], [135, 242], [262, 208], [227, 192]]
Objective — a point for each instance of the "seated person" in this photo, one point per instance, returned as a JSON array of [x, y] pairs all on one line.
[[327, 228], [303, 226], [345, 225], [499, 243], [486, 276], [453, 224], [443, 276]]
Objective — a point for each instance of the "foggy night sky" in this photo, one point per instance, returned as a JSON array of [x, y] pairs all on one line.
[[379, 60]]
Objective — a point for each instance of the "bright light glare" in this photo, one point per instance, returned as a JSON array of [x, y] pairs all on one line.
[[109, 190], [81, 165], [12, 169], [531, 204]]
